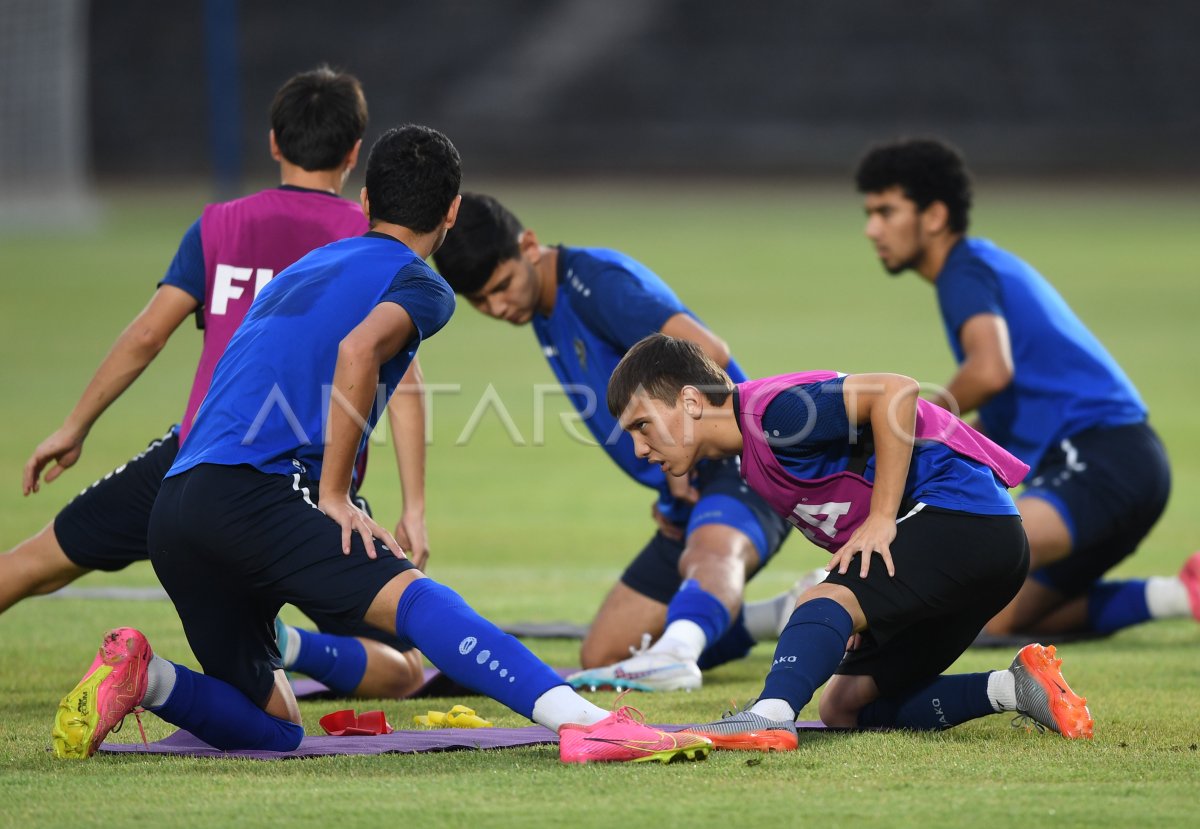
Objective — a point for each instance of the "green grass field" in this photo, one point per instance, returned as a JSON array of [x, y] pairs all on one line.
[[538, 528]]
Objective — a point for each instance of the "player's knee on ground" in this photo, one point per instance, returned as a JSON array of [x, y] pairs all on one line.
[[390, 674], [841, 701], [596, 651]]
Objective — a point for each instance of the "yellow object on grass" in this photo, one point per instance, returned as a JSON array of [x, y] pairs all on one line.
[[460, 716]]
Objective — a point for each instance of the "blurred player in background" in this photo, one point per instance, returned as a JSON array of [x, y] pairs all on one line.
[[1045, 389], [226, 257], [258, 508], [587, 306]]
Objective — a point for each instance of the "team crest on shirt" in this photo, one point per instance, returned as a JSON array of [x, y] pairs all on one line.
[[581, 353]]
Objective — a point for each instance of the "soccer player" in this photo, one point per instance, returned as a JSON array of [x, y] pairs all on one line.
[[586, 307], [257, 509], [912, 504], [1045, 389], [234, 249]]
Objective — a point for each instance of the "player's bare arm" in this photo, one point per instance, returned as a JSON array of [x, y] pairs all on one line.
[[987, 366], [134, 349], [888, 403], [686, 328], [375, 340], [406, 416]]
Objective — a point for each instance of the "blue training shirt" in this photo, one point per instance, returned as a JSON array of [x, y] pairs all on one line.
[[186, 270], [1064, 381], [270, 393], [815, 443], [605, 303]]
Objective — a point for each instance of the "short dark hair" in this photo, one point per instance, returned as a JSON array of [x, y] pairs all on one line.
[[317, 118], [661, 366], [413, 176], [926, 169], [484, 235]]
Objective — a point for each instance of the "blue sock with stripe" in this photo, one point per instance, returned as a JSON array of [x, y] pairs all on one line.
[[469, 649], [1113, 605], [223, 716], [810, 649], [943, 703], [340, 662]]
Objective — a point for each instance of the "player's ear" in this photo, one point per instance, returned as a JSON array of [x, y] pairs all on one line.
[[274, 145], [365, 202], [692, 402], [935, 218], [452, 213], [529, 246], [351, 160]]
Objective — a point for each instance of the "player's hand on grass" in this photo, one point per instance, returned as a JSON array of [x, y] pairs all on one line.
[[352, 519], [874, 536], [411, 534], [64, 446]]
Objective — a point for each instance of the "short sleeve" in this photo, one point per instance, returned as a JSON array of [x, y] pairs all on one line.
[[424, 295], [803, 418], [622, 308], [186, 270], [965, 290]]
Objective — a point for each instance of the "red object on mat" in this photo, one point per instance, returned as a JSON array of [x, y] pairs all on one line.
[[346, 723]]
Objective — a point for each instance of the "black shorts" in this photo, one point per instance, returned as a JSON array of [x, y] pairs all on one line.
[[232, 545], [1110, 486], [954, 572], [725, 499], [104, 527]]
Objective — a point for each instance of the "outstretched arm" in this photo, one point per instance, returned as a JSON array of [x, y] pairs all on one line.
[[406, 414], [888, 403], [375, 340], [135, 348], [987, 366]]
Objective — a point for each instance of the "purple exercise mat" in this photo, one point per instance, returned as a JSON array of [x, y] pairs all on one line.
[[398, 742], [436, 684]]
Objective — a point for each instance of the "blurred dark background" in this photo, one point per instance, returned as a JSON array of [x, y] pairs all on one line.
[[612, 87]]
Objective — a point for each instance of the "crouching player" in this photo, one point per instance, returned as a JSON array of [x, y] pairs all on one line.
[[240, 527], [835, 455]]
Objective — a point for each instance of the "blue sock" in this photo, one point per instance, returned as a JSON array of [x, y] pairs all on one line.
[[695, 604], [809, 651], [223, 716], [1113, 605], [734, 644], [469, 649], [943, 703], [339, 662]]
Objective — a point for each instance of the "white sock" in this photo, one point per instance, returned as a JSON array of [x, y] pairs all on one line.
[[1167, 598], [762, 618], [1002, 691], [561, 705], [774, 709], [160, 682], [289, 646], [684, 639]]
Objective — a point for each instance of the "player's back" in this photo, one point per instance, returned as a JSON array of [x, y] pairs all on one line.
[[246, 242], [271, 389], [1064, 380]]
